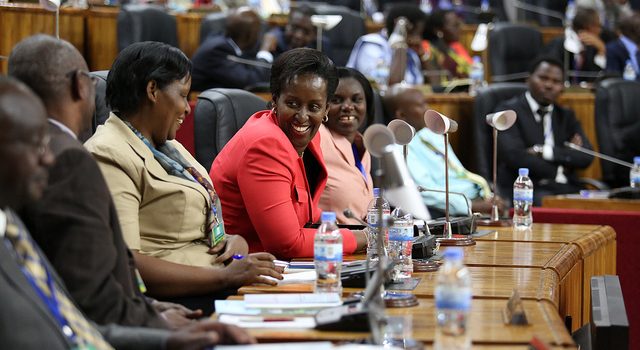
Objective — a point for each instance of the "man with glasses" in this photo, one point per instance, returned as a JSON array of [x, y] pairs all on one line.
[[75, 223], [37, 312]]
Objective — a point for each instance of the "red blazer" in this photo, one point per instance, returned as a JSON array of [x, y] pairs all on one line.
[[264, 191]]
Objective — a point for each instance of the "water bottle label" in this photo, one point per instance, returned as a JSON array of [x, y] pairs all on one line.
[[401, 233], [327, 252], [453, 298], [523, 194], [372, 218]]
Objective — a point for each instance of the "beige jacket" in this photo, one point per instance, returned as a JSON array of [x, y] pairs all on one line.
[[161, 215]]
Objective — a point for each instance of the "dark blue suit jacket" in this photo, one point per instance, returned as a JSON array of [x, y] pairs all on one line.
[[212, 68], [617, 56]]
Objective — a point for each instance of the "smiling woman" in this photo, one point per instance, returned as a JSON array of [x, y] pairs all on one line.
[[271, 173], [169, 211], [348, 163]]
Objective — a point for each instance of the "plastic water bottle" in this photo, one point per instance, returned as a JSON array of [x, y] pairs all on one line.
[[327, 255], [476, 75], [634, 174], [629, 73], [372, 220], [570, 12], [484, 6], [453, 302], [401, 244], [522, 199]]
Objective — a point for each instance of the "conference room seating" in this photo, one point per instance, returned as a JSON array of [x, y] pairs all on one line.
[[101, 113], [617, 126], [486, 101], [344, 35], [213, 24], [145, 22], [511, 49], [218, 115]]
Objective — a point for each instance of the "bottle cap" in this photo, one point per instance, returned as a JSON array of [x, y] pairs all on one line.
[[453, 253], [523, 171], [328, 216], [636, 160], [477, 59], [376, 192]]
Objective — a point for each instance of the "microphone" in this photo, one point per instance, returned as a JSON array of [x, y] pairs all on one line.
[[539, 10], [575, 147], [53, 6], [466, 199], [254, 63], [403, 133]]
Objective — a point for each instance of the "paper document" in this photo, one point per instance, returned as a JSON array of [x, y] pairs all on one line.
[[301, 322], [325, 345], [239, 307], [292, 300]]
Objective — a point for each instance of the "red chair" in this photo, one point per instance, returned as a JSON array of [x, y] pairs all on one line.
[[185, 133]]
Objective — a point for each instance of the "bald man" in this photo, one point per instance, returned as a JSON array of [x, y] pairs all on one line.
[[216, 62], [75, 222], [426, 159]]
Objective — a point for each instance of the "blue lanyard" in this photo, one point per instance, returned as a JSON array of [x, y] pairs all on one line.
[[359, 165], [51, 301]]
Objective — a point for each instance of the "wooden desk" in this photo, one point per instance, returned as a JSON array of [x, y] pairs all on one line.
[[575, 202], [489, 282], [485, 325]]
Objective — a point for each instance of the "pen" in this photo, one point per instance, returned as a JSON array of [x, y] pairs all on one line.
[[237, 256]]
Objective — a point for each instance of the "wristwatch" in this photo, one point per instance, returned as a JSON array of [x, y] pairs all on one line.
[[537, 149]]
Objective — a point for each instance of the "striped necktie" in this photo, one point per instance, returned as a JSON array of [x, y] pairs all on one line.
[[73, 324]]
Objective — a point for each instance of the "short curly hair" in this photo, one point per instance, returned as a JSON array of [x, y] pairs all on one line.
[[302, 61], [136, 66]]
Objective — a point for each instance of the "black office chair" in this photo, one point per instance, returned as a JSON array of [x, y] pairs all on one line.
[[213, 24], [617, 126], [486, 102], [511, 49], [145, 23], [219, 114], [101, 113], [344, 35]]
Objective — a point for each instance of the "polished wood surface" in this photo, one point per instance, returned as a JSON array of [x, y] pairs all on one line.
[[575, 202], [485, 325], [489, 282], [18, 21], [102, 37]]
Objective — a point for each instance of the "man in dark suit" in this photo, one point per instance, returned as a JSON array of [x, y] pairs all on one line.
[[75, 222], [37, 312], [299, 32], [217, 62], [625, 49], [536, 140], [592, 57]]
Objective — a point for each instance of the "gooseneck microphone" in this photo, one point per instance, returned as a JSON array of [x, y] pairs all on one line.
[[573, 146]]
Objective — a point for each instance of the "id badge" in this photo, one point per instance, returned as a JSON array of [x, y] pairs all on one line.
[[216, 235]]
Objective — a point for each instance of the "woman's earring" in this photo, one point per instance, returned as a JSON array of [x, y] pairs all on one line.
[[326, 118], [273, 111]]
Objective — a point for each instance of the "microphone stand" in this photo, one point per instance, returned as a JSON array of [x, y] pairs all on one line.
[[495, 220], [447, 238]]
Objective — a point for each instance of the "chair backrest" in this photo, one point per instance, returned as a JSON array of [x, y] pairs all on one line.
[[219, 114], [486, 102], [145, 22], [511, 49], [213, 24], [344, 35], [101, 113], [616, 115]]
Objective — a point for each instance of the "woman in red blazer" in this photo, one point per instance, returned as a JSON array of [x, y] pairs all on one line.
[[270, 175]]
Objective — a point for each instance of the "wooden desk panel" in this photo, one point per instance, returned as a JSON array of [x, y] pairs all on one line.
[[510, 254], [485, 325], [102, 37], [18, 21], [574, 202], [488, 283]]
